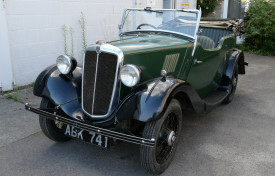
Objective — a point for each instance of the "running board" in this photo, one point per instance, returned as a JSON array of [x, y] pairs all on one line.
[[88, 127], [214, 99]]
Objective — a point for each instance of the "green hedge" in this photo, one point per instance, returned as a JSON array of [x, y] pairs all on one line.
[[207, 6], [259, 27]]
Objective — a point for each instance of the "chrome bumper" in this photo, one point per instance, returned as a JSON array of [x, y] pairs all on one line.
[[88, 127]]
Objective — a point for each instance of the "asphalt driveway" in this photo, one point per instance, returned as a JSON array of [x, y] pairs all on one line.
[[234, 139]]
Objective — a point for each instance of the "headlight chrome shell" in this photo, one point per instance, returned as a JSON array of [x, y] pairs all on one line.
[[65, 64], [130, 75]]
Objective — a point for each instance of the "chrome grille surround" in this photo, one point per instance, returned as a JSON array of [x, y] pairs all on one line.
[[106, 48]]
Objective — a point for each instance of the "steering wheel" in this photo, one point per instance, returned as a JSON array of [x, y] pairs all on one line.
[[150, 25]]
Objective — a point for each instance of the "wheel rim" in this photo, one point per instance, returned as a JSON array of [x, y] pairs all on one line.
[[58, 124], [234, 82], [234, 79], [167, 138]]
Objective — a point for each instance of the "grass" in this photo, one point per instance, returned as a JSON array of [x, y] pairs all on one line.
[[65, 31], [9, 95], [13, 94], [82, 21]]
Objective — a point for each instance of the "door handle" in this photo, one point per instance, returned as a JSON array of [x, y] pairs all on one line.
[[196, 61]]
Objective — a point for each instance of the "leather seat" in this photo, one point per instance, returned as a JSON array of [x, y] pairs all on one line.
[[215, 34], [206, 42]]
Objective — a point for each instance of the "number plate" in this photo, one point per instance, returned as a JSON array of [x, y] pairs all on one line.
[[87, 136]]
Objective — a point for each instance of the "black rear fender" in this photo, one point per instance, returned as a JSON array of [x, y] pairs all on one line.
[[237, 58]]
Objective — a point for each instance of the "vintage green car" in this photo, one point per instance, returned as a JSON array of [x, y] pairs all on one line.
[[137, 88]]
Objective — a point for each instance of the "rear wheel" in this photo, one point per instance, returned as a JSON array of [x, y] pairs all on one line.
[[166, 133], [233, 85], [54, 130]]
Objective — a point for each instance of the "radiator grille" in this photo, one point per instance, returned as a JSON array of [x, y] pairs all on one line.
[[98, 86]]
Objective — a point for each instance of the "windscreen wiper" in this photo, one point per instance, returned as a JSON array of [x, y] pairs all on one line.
[[188, 11], [149, 9]]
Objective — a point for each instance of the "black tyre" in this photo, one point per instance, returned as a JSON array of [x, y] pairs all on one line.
[[54, 130], [233, 85], [166, 132]]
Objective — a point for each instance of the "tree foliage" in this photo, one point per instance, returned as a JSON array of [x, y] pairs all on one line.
[[259, 27], [207, 6]]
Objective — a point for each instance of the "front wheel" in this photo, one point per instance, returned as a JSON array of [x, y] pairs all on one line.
[[166, 133], [54, 130]]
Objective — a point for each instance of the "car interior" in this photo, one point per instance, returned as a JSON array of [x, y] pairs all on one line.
[[210, 37]]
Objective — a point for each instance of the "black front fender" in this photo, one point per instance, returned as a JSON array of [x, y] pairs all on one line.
[[63, 91], [155, 99], [148, 103], [152, 100], [40, 81]]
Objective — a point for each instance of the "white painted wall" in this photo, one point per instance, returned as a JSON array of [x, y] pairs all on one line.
[[31, 37], [156, 4], [35, 35], [5, 62]]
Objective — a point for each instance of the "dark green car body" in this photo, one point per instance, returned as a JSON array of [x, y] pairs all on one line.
[[199, 70], [204, 76], [150, 51], [178, 65]]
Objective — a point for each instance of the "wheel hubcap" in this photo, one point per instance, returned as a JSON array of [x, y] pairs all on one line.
[[58, 124], [167, 138], [234, 81], [171, 138]]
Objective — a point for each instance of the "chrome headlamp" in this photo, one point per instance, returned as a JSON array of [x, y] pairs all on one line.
[[130, 75], [65, 64]]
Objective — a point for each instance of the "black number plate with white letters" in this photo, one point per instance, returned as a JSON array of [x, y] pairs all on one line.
[[87, 136]]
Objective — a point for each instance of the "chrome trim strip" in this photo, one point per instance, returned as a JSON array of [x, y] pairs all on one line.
[[107, 48], [183, 10], [88, 127], [148, 30], [97, 55], [196, 32]]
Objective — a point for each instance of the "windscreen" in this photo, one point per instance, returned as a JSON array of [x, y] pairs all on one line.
[[174, 21]]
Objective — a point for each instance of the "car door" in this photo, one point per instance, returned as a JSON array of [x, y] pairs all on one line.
[[206, 70]]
